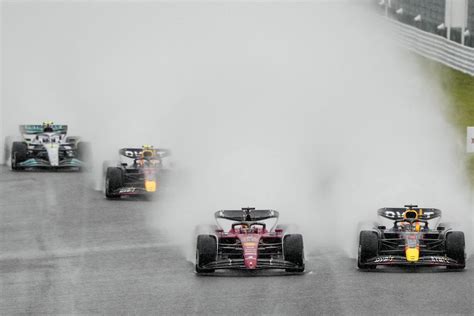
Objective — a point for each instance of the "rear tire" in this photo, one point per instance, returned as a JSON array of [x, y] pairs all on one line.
[[293, 251], [455, 249], [19, 154], [113, 182], [206, 252], [368, 248]]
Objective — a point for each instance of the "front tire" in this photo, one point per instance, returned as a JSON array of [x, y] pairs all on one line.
[[455, 249], [206, 252], [19, 154], [113, 182], [368, 248], [293, 251]]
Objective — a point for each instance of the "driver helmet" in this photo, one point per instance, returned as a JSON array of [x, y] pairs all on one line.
[[244, 227], [411, 216], [147, 152], [48, 127]]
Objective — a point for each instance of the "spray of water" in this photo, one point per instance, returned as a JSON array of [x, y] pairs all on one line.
[[307, 108]]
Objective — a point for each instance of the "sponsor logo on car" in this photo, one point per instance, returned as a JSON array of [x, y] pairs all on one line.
[[439, 259], [127, 190], [384, 259]]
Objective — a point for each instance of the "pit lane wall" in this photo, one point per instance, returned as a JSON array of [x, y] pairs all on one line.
[[441, 30]]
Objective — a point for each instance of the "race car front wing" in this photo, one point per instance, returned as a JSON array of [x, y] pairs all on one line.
[[129, 191], [422, 261], [40, 163], [261, 264]]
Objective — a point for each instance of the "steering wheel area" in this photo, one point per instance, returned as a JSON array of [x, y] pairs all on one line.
[[411, 224], [248, 226]]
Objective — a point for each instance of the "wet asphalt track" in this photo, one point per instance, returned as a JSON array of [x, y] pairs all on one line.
[[64, 249]]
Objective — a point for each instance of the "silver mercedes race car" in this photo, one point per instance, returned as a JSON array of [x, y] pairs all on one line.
[[47, 146]]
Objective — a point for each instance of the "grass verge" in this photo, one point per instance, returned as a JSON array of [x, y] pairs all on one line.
[[459, 87]]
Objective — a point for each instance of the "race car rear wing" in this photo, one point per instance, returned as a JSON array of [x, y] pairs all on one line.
[[246, 214], [396, 213], [135, 152], [38, 129]]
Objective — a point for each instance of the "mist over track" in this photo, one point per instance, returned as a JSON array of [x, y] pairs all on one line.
[[260, 104], [66, 250]]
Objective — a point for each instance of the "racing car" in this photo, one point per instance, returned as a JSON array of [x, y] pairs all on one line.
[[137, 175], [249, 244], [47, 146], [411, 241]]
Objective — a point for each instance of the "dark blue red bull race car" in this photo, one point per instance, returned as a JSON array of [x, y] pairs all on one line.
[[137, 174], [413, 239]]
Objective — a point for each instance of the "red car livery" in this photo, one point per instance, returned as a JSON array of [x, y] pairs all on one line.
[[249, 244]]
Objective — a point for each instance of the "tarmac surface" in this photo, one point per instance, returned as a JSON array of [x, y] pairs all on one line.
[[65, 249]]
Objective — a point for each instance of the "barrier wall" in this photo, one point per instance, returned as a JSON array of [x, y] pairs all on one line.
[[431, 16], [435, 47]]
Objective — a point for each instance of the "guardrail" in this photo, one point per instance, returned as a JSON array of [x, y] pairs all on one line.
[[435, 47]]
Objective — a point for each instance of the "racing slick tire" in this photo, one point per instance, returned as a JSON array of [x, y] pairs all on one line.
[[19, 154], [368, 248], [455, 249], [206, 252], [293, 251], [113, 181]]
